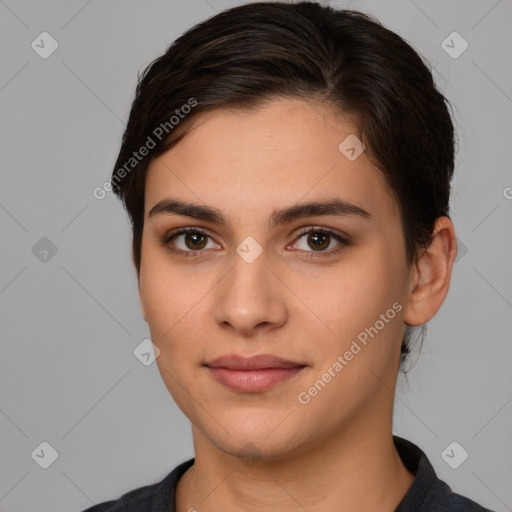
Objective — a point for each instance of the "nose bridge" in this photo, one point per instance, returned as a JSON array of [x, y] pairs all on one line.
[[249, 276], [249, 297]]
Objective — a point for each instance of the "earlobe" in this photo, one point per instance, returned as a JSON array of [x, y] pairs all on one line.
[[431, 274]]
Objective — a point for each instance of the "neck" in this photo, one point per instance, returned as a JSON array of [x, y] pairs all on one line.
[[357, 469]]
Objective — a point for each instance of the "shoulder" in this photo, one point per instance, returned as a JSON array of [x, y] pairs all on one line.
[[149, 498], [137, 499], [428, 493], [460, 503], [443, 499]]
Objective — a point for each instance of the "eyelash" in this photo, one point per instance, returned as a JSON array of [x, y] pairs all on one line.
[[343, 241]]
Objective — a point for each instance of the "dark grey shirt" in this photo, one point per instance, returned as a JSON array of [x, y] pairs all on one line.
[[426, 494]]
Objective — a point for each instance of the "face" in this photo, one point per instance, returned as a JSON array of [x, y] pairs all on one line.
[[296, 252]]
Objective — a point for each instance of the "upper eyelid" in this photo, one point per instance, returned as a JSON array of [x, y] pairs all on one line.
[[330, 231]]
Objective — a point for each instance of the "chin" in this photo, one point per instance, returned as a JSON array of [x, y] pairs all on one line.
[[253, 439], [251, 451]]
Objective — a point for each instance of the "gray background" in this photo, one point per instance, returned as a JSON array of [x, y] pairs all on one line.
[[68, 375]]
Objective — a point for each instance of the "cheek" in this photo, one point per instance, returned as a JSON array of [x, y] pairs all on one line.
[[172, 305], [359, 304], [176, 304], [161, 295], [354, 293]]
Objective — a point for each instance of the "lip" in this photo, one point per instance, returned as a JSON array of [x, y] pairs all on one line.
[[258, 362], [252, 374]]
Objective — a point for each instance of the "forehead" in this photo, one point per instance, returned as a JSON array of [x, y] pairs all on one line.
[[256, 160]]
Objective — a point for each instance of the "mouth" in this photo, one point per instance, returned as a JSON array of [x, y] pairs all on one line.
[[253, 374]]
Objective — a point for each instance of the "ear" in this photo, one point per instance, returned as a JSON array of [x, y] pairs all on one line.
[[142, 309], [431, 274]]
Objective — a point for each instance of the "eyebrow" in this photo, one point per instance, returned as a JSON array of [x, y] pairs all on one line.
[[335, 207]]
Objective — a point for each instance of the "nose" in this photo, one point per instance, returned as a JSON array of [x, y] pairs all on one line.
[[250, 299]]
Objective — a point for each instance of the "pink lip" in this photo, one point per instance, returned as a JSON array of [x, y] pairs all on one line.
[[252, 374]]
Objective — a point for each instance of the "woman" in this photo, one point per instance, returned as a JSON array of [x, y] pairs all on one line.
[[286, 169]]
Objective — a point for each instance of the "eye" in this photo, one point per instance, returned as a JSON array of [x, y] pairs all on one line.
[[314, 241], [322, 241], [188, 241]]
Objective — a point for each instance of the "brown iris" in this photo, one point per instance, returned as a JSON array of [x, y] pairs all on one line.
[[195, 241], [319, 240]]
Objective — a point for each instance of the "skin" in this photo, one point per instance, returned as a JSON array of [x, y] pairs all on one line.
[[260, 451]]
